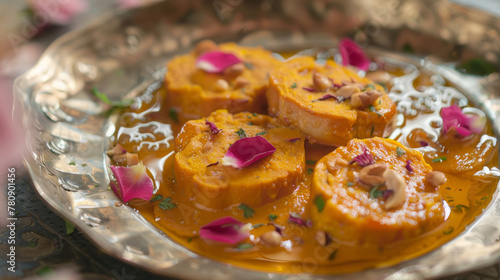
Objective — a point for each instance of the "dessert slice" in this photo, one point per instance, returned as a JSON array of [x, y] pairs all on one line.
[[329, 103]]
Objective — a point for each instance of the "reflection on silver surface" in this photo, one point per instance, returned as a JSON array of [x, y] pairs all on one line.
[[122, 55]]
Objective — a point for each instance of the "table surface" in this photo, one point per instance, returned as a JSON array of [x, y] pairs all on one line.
[[43, 244]]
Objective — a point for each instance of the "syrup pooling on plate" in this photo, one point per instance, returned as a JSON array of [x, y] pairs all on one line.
[[465, 193]]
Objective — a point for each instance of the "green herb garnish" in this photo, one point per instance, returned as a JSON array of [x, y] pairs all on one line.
[[261, 133], [371, 86], [156, 198], [484, 198], [190, 239], [373, 129], [247, 211], [257, 226], [248, 65], [250, 123], [255, 114], [350, 184], [294, 85], [104, 98], [72, 163], [332, 255], [439, 159], [448, 230], [166, 204], [319, 202], [461, 207], [273, 217], [173, 115], [400, 151], [241, 133], [84, 164], [310, 162], [375, 192], [70, 227], [244, 246], [310, 171]]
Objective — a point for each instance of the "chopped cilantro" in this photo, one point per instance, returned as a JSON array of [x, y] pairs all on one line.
[[319, 202], [439, 159], [273, 217], [332, 255], [261, 133], [294, 85], [371, 86], [166, 204], [248, 65], [244, 246], [173, 115], [190, 239], [461, 207], [156, 198], [71, 163], [104, 98], [400, 151], [257, 226], [241, 133], [310, 162], [375, 192], [247, 211], [484, 198], [70, 227], [255, 114], [448, 230], [373, 129], [310, 171], [350, 184], [84, 164]]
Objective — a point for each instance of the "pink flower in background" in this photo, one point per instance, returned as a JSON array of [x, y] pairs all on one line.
[[352, 54], [58, 11]]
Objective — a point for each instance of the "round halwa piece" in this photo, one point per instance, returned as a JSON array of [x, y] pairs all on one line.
[[195, 93], [329, 103], [357, 211], [202, 177]]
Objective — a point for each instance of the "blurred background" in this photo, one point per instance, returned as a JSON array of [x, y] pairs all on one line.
[[55, 250]]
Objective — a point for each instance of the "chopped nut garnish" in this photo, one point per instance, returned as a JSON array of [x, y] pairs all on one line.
[[347, 91], [435, 178], [204, 47], [234, 70], [365, 98], [116, 150], [320, 82], [240, 82], [271, 238], [132, 159], [372, 175], [396, 183], [379, 76], [323, 238], [221, 85]]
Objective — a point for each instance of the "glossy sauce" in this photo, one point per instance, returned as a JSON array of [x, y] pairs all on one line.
[[148, 129]]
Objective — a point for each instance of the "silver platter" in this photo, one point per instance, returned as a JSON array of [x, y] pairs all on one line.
[[123, 55]]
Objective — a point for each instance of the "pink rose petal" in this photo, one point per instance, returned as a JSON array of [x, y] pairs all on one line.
[[353, 55], [132, 182], [327, 97], [246, 151], [296, 219], [309, 89], [227, 230], [213, 127], [464, 125], [216, 61], [293, 140], [408, 166], [363, 159]]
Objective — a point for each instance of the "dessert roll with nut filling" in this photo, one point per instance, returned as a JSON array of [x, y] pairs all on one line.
[[329, 103], [376, 192], [212, 77]]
